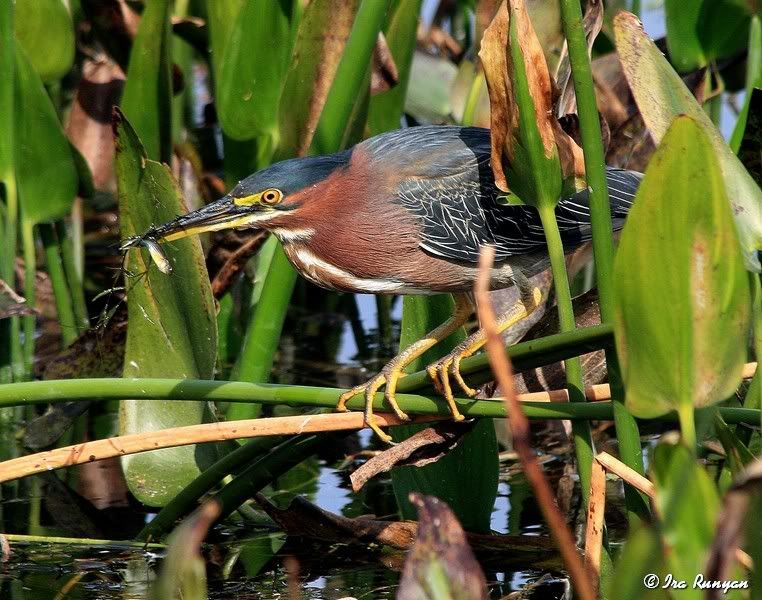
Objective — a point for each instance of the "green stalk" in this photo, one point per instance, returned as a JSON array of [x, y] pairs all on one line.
[[263, 334], [73, 277], [472, 100], [64, 307], [46, 539], [30, 277], [264, 471], [628, 436], [28, 393], [11, 357], [188, 498], [687, 425], [583, 439]]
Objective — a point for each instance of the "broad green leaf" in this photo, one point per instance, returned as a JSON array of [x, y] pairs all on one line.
[[683, 300], [685, 49], [687, 504], [147, 98], [723, 27], [465, 478], [172, 327], [385, 109], [254, 63], [44, 29], [753, 79], [641, 568], [7, 152], [661, 96], [320, 41], [45, 170], [222, 15], [257, 552]]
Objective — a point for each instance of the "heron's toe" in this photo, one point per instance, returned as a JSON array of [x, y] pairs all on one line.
[[458, 376]]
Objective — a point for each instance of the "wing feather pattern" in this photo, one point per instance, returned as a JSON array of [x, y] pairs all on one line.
[[456, 201]]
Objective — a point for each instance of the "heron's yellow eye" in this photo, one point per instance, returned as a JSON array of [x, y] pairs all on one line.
[[271, 196]]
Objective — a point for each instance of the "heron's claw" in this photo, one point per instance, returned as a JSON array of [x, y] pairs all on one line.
[[389, 376], [446, 368]]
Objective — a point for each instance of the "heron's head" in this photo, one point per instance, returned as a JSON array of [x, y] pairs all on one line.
[[262, 200]]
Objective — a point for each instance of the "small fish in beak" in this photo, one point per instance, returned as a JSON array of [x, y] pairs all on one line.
[[157, 254]]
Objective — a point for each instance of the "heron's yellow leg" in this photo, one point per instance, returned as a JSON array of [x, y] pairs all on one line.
[[449, 366], [394, 369]]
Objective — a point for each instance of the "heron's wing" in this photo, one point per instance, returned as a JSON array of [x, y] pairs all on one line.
[[458, 209]]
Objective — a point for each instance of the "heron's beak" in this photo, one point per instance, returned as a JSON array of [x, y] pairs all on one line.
[[222, 214]]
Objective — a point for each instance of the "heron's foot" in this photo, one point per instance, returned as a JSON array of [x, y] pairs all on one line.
[[389, 375], [447, 368], [394, 369]]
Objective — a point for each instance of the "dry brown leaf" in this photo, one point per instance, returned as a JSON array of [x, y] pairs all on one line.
[[384, 75], [423, 448], [499, 71], [504, 118], [89, 127], [11, 304], [742, 496], [305, 519]]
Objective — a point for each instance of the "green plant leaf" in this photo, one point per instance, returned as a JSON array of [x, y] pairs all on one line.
[[250, 76], [320, 42], [465, 478], [661, 96], [642, 556], [683, 300], [44, 29], [687, 503], [685, 49], [753, 80], [172, 327], [45, 170], [8, 217], [222, 15], [147, 98], [723, 27]]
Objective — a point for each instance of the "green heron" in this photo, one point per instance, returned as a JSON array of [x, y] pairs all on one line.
[[404, 212]]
